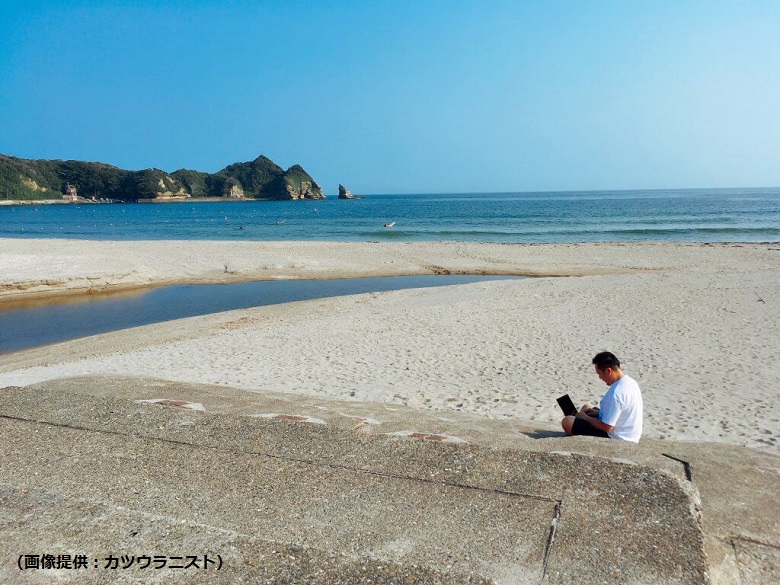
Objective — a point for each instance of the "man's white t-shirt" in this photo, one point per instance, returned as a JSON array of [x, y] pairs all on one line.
[[622, 408]]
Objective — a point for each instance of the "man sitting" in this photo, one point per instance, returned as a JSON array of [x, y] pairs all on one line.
[[620, 415]]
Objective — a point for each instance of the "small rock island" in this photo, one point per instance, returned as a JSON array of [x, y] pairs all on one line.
[[345, 193]]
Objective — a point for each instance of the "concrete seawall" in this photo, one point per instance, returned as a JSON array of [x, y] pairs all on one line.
[[287, 489]]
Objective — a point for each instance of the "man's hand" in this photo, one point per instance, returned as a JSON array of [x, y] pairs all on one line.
[[589, 410], [593, 419]]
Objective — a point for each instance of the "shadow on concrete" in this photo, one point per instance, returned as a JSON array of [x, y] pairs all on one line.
[[540, 434], [293, 489]]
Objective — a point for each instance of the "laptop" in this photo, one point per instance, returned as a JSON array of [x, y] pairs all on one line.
[[567, 406]]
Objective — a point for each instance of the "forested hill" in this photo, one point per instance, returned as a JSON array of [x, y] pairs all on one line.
[[30, 179]]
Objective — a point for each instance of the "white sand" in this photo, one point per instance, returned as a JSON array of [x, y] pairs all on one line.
[[697, 325]]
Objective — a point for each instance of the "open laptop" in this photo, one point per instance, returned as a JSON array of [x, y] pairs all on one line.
[[567, 406]]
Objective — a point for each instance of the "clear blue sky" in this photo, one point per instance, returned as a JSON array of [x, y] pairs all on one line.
[[403, 97]]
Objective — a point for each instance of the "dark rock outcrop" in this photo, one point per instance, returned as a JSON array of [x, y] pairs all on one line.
[[345, 193]]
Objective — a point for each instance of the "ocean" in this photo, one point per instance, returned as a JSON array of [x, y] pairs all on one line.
[[696, 215]]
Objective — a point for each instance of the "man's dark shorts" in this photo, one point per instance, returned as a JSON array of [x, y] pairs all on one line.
[[580, 427]]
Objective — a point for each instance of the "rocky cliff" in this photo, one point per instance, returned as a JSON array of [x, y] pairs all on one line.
[[49, 179], [299, 185]]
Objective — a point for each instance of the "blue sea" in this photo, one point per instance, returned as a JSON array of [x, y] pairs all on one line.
[[700, 215]]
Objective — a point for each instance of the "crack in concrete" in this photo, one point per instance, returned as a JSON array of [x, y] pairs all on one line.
[[130, 510], [736, 560], [295, 460], [746, 539], [685, 464], [551, 538], [732, 541], [174, 520]]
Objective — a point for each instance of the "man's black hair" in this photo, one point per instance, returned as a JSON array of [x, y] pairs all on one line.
[[605, 360]]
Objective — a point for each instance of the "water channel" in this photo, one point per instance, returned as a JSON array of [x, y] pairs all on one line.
[[24, 327]]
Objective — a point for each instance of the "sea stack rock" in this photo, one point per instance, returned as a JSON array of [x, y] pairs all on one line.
[[298, 184], [345, 193], [304, 190]]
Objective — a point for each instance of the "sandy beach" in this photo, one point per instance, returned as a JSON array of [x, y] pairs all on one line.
[[696, 324]]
